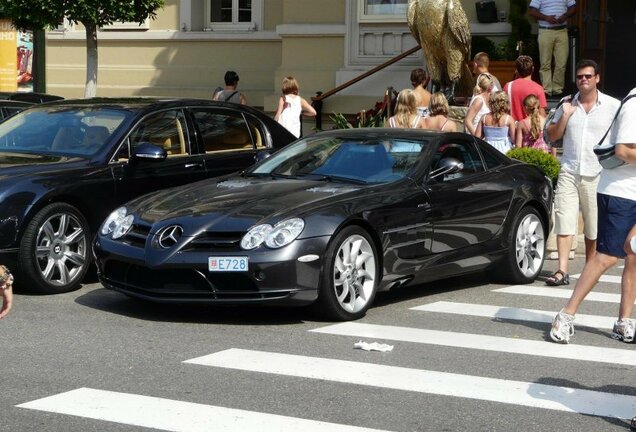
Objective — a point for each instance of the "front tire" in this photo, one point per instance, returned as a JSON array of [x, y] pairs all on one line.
[[526, 247], [54, 253], [351, 276]]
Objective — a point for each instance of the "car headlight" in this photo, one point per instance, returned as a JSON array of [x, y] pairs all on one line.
[[279, 235], [255, 236], [117, 224]]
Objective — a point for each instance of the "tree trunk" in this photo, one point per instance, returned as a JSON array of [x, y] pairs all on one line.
[[91, 61]]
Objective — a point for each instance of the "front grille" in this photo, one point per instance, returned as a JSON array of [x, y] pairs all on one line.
[[137, 235], [184, 284], [216, 240]]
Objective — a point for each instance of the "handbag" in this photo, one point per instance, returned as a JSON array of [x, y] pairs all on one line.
[[548, 121], [606, 153]]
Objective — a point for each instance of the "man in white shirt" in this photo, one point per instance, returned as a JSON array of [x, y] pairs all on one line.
[[617, 225], [581, 122], [552, 16]]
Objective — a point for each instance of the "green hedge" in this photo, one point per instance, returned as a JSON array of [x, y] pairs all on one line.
[[545, 161]]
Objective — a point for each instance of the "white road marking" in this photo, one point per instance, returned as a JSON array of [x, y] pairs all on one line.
[[604, 278], [511, 313], [558, 293], [431, 382], [483, 342], [173, 415]]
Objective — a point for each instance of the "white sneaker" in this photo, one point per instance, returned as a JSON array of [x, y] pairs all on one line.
[[624, 330], [562, 327]]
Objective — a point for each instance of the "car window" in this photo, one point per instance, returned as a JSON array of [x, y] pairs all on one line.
[[491, 160], [464, 152], [366, 160], [223, 131], [165, 129], [61, 130]]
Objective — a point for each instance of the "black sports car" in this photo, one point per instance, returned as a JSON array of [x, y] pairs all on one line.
[[332, 219], [64, 166]]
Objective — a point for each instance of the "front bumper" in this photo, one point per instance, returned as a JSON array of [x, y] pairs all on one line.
[[274, 276]]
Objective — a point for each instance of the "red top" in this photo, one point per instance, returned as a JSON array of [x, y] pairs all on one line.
[[520, 89]]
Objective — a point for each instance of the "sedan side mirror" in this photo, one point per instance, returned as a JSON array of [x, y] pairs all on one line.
[[447, 165], [262, 155], [149, 152]]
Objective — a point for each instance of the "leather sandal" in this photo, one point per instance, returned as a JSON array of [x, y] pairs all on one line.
[[554, 280]]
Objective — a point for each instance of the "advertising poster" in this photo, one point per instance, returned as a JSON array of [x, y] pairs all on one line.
[[16, 59]]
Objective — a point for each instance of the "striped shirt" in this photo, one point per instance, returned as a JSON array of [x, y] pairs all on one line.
[[551, 8]]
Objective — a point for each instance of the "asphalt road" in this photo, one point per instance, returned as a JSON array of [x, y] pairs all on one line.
[[470, 358]]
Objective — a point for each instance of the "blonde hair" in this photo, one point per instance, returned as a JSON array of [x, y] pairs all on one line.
[[484, 83], [499, 105], [438, 104], [405, 108], [290, 85], [531, 104]]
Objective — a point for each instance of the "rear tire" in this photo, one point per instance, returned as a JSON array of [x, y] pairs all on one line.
[[54, 253], [351, 276], [526, 247]]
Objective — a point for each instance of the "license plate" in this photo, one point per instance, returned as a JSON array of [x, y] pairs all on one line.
[[227, 264]]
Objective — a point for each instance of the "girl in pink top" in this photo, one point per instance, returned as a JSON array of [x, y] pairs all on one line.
[[530, 129]]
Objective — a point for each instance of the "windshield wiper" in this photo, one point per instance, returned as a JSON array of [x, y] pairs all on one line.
[[335, 178]]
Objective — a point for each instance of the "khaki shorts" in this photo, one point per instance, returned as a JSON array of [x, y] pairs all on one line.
[[575, 192]]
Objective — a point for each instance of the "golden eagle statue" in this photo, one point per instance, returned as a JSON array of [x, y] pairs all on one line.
[[441, 28]]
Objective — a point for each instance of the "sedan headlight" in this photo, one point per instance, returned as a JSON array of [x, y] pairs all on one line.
[[279, 235], [117, 224]]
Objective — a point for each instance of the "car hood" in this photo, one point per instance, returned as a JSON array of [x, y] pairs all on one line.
[[15, 164], [236, 203]]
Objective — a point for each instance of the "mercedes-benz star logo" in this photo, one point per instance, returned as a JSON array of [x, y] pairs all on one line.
[[169, 236]]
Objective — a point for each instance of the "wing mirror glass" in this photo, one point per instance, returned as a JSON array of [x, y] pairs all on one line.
[[445, 166]]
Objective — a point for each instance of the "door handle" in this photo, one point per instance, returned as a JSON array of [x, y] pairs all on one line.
[[191, 165]]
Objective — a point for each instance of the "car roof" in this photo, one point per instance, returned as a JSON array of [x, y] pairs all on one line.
[[142, 103], [29, 97]]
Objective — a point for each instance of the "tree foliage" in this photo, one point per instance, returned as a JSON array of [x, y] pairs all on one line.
[[92, 14]]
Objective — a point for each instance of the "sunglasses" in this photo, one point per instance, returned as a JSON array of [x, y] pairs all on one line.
[[586, 76]]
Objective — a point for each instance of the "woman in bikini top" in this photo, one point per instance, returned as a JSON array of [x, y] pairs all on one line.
[[438, 119]]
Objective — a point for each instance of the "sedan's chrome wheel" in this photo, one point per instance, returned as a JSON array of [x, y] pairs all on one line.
[[530, 245], [61, 249], [354, 274]]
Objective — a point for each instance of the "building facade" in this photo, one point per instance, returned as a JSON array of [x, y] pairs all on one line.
[[187, 49]]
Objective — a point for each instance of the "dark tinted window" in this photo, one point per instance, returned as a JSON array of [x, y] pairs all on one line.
[[222, 130]]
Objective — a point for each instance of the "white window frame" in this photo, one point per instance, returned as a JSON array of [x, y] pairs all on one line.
[[235, 25], [363, 16]]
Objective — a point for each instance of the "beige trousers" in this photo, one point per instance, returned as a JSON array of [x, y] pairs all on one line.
[[553, 43]]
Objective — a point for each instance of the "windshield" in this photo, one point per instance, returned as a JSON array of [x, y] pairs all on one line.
[[360, 160], [74, 131]]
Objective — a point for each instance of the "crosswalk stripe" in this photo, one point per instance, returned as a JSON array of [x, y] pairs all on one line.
[[431, 382], [604, 278], [173, 415], [558, 293], [511, 313], [483, 342]]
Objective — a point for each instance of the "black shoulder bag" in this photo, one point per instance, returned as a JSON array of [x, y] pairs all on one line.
[[606, 153]]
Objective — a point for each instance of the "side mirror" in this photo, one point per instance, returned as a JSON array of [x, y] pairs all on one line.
[[447, 165], [149, 152], [262, 155]]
